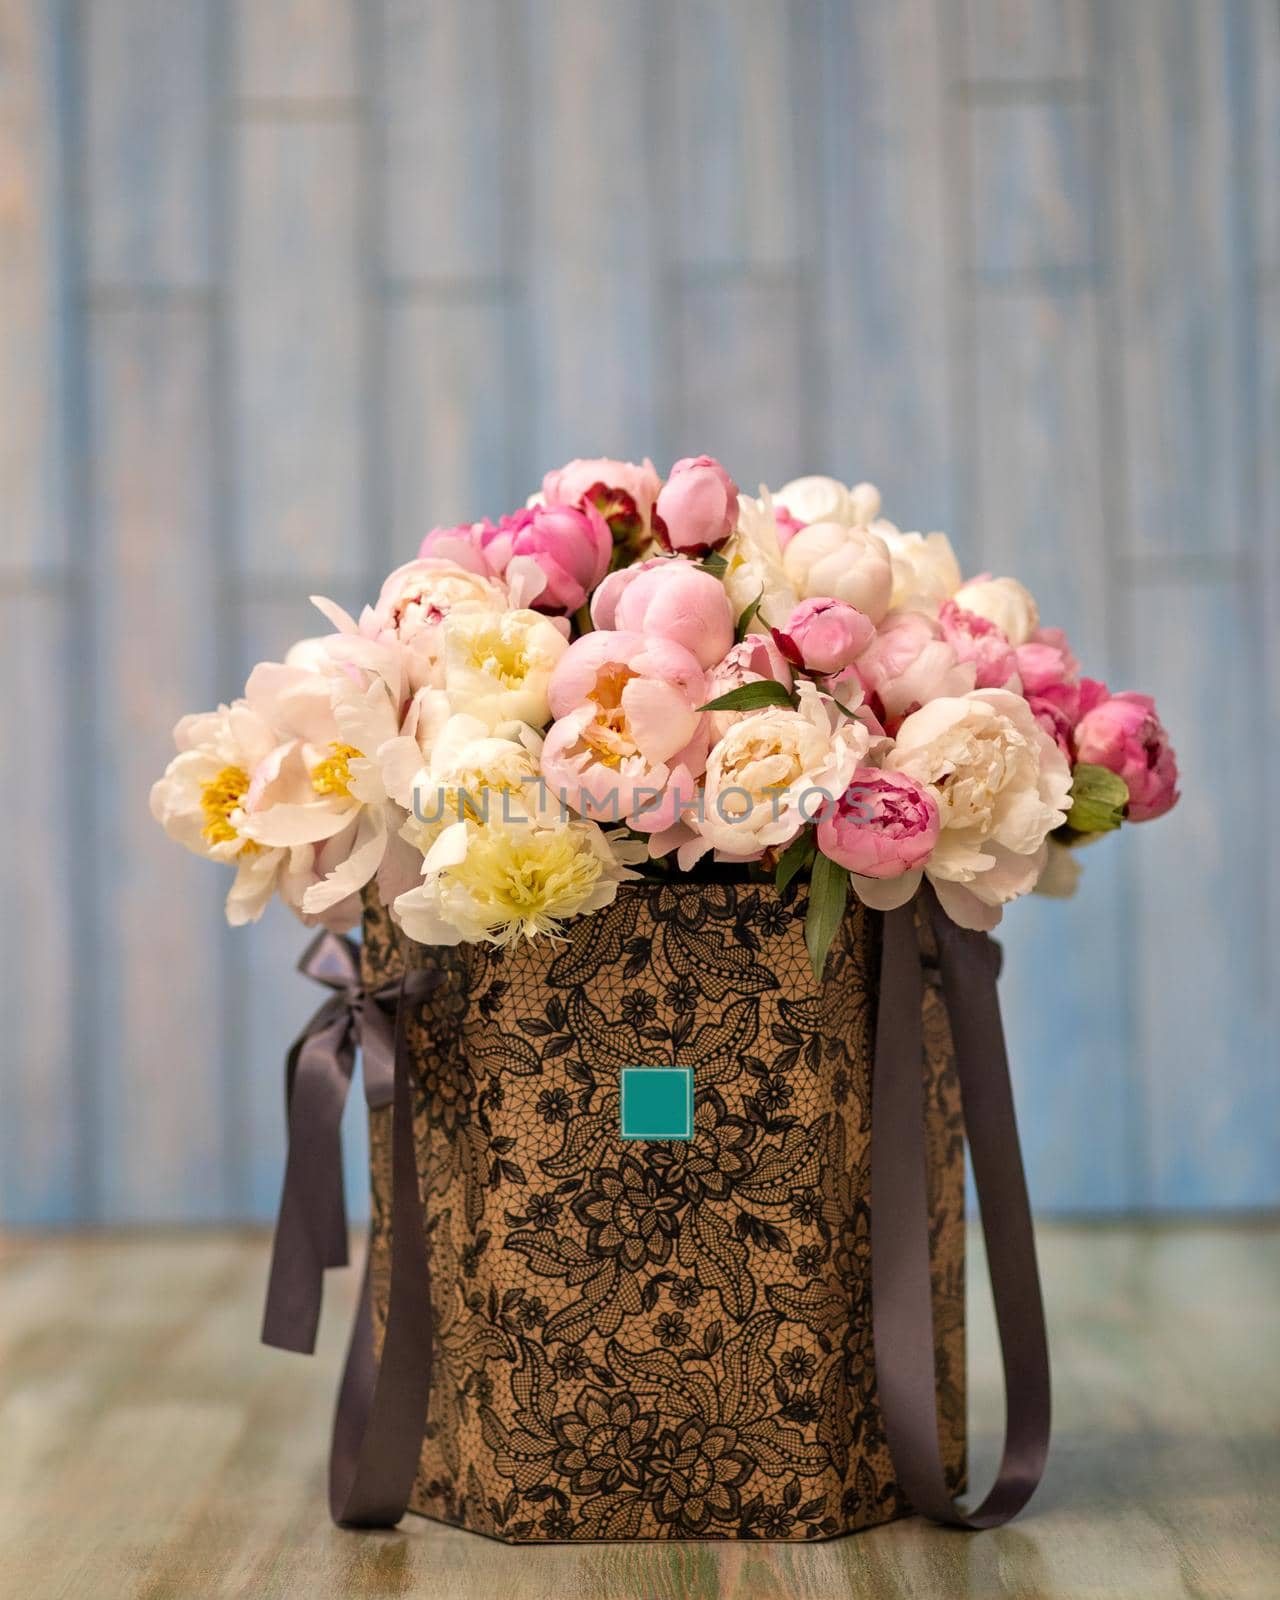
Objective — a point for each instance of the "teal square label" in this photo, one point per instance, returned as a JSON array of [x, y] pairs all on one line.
[[657, 1103]]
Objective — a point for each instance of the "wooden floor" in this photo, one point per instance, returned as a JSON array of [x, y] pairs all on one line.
[[150, 1449]]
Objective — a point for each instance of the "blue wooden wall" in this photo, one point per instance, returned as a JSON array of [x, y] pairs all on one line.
[[284, 282]]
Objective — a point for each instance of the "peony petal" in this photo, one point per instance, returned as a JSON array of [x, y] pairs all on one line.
[[661, 720], [300, 824], [352, 874], [963, 907]]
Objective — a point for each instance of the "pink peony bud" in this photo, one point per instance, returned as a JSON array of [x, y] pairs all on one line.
[[1124, 735], [570, 548], [697, 509], [463, 545], [824, 635], [883, 825], [679, 601], [621, 491], [1046, 662]]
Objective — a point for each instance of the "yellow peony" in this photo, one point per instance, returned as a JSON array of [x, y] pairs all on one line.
[[506, 880]]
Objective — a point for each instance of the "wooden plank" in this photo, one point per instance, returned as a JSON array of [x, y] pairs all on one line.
[[450, 415], [1267, 312], [447, 116], [1039, 494], [142, 1419], [1176, 114], [743, 338], [1033, 167], [1263, 45], [887, 260], [148, 135], [294, 52], [298, 347], [1203, 977], [41, 1173], [1028, 41], [157, 917], [588, 312], [1260, 40], [33, 508], [1039, 506], [736, 167]]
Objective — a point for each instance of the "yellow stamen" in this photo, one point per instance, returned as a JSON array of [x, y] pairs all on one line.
[[218, 799], [334, 775], [609, 733], [500, 658]]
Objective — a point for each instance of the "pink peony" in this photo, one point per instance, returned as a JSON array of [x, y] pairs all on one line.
[[629, 739], [622, 492], [756, 659], [883, 825], [1123, 734], [463, 545], [1059, 706], [1046, 662], [1054, 717], [670, 600], [604, 602], [570, 548], [909, 663], [697, 509], [975, 639], [824, 635], [1051, 681]]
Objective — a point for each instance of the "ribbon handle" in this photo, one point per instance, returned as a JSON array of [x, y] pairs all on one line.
[[902, 1302], [382, 1405]]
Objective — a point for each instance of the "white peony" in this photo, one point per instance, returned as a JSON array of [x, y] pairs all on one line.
[[1002, 786], [472, 774], [359, 755], [819, 499], [769, 774], [925, 569], [845, 563], [501, 881], [497, 666], [1004, 601], [753, 563], [230, 763]]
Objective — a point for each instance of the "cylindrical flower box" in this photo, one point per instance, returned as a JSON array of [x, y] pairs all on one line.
[[648, 1337]]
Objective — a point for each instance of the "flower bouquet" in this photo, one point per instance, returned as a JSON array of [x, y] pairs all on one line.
[[674, 815]]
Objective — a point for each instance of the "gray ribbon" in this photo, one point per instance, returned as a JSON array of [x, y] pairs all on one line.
[[311, 1226], [902, 1303]]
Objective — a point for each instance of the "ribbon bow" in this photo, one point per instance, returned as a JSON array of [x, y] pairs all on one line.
[[311, 1226]]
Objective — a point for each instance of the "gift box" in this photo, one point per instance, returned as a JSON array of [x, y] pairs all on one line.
[[640, 1336]]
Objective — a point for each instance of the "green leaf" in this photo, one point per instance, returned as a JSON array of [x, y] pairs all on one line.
[[715, 564], [1098, 799], [752, 697], [795, 858], [747, 618], [828, 890]]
